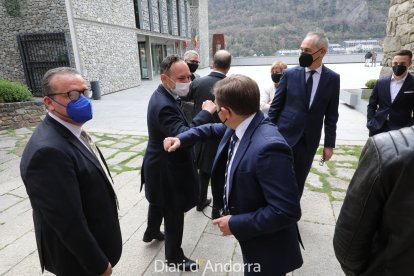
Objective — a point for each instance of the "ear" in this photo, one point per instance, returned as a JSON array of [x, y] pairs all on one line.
[[48, 103]]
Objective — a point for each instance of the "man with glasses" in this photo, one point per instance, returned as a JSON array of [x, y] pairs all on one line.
[[192, 59], [306, 99], [69, 185]]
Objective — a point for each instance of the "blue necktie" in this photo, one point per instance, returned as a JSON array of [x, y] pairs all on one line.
[[309, 85], [233, 142]]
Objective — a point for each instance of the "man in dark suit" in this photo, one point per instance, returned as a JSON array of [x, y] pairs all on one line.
[[307, 98], [254, 164], [171, 184], [391, 104], [69, 185], [201, 89]]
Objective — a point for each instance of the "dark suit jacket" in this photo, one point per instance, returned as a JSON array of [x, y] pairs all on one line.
[[399, 113], [290, 112], [74, 205], [201, 89], [263, 197], [170, 178]]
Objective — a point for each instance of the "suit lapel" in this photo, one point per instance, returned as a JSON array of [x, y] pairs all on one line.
[[78, 144], [403, 88], [302, 77], [173, 101], [323, 80], [243, 146], [222, 146]]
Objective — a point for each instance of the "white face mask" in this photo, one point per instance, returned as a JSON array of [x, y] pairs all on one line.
[[181, 88]]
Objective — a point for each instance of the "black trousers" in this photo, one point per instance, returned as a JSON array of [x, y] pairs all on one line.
[[385, 127], [173, 227], [204, 179], [302, 158]]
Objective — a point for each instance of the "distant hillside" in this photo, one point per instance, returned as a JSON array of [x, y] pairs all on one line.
[[265, 26]]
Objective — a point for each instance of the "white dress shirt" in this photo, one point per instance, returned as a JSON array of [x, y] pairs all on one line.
[[240, 130], [395, 86]]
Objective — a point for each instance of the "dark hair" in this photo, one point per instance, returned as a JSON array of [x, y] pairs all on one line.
[[222, 59], [46, 88], [404, 53], [167, 62], [238, 92]]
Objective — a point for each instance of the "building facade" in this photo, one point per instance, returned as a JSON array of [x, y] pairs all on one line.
[[400, 35], [118, 43]]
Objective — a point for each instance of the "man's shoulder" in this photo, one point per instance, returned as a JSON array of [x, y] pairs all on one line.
[[394, 145], [330, 71]]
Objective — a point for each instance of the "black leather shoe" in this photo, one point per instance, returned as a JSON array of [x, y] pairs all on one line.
[[204, 204], [184, 265], [148, 237]]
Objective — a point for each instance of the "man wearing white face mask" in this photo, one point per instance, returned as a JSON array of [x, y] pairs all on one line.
[[171, 184]]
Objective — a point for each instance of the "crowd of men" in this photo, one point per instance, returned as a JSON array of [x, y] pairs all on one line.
[[256, 164]]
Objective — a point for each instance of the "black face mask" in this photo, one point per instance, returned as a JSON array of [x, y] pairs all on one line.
[[276, 77], [306, 59], [192, 66], [399, 70]]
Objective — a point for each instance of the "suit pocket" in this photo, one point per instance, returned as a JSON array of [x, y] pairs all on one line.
[[408, 92]]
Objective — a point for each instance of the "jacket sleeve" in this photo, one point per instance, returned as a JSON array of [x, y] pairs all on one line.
[[279, 99], [53, 188], [172, 123], [361, 213], [331, 115], [201, 133], [275, 176], [372, 106]]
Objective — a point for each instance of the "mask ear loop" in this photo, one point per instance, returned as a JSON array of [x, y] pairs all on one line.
[[60, 105]]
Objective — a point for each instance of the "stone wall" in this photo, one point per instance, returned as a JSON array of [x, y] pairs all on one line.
[[23, 114], [400, 31], [33, 16]]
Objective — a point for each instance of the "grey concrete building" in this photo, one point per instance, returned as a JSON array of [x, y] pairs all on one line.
[[118, 43]]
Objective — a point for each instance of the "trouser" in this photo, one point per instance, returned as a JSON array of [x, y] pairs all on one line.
[[173, 228], [302, 158], [385, 127], [204, 179]]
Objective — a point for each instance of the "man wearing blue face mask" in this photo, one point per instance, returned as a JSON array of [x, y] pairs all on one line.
[[69, 185], [391, 104], [171, 185], [306, 98]]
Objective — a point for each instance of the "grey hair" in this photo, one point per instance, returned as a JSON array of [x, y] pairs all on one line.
[[46, 88], [189, 52], [321, 39]]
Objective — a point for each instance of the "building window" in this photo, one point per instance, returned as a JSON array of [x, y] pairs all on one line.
[[186, 33], [160, 16], [151, 20], [137, 12], [177, 2], [170, 16]]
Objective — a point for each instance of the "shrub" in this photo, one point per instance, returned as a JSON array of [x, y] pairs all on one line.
[[14, 92], [370, 84]]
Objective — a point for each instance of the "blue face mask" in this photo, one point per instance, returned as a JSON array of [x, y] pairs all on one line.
[[79, 111]]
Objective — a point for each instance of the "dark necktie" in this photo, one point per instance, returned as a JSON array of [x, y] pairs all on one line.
[[309, 85], [233, 142], [179, 102]]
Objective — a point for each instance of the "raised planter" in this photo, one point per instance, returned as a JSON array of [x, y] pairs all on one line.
[[21, 114], [356, 98]]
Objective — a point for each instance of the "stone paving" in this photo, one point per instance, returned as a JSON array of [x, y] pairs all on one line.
[[322, 199]]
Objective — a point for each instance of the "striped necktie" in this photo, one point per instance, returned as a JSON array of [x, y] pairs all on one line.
[[233, 142], [309, 86]]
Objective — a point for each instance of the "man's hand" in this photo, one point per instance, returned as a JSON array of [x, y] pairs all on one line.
[[327, 153], [108, 271], [223, 224], [209, 106], [171, 144]]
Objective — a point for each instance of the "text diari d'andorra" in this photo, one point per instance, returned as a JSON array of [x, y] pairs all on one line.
[[209, 266]]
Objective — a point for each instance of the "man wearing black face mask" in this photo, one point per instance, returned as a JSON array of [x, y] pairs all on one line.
[[192, 59], [306, 98], [391, 104], [69, 185]]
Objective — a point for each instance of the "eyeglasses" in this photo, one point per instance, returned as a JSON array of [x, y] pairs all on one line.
[[193, 61], [74, 95]]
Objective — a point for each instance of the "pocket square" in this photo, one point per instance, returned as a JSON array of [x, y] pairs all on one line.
[[408, 92]]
